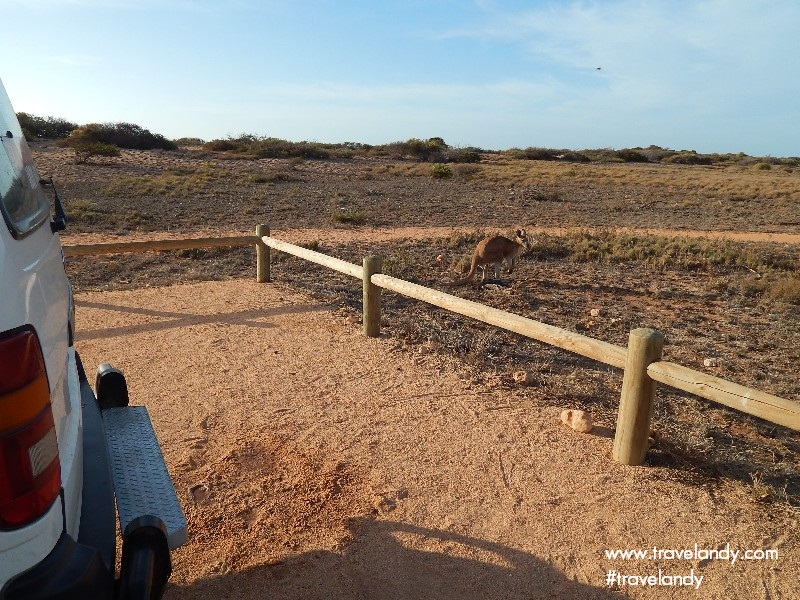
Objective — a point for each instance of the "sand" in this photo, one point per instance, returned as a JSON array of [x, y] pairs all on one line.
[[313, 462]]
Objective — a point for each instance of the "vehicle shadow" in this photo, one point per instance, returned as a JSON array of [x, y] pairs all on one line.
[[172, 320], [391, 560]]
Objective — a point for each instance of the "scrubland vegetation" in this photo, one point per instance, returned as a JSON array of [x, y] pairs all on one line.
[[432, 150]]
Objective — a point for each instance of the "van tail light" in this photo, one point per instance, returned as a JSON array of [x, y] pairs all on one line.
[[30, 472]]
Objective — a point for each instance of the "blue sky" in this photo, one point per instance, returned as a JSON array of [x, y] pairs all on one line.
[[713, 76]]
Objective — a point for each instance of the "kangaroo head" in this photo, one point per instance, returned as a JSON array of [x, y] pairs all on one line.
[[522, 238]]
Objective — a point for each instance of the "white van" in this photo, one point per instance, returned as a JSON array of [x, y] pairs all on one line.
[[71, 460]]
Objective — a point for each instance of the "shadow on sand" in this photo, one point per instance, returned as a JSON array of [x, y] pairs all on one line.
[[390, 560]]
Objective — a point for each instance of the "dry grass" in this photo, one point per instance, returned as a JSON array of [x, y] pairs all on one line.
[[718, 182]]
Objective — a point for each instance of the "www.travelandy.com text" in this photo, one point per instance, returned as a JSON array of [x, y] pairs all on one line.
[[616, 578]]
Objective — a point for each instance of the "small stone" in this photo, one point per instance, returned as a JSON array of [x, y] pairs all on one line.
[[579, 420], [595, 312], [711, 362], [523, 377], [440, 258]]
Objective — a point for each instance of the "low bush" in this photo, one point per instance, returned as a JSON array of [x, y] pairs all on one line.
[[34, 127], [122, 135], [548, 154], [86, 149], [688, 158], [352, 217], [440, 171], [782, 288], [433, 149], [268, 147], [221, 145], [463, 155], [80, 210], [188, 141], [533, 153], [632, 155], [277, 148]]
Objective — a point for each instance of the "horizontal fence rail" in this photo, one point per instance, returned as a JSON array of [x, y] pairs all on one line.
[[647, 347], [574, 342], [336, 264], [754, 402], [159, 245]]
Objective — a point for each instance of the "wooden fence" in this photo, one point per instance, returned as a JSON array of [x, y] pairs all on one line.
[[641, 360]]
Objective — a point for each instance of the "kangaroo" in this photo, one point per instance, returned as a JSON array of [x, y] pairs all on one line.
[[492, 251]]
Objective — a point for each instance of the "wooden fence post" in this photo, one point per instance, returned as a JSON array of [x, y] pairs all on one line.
[[636, 403], [372, 297], [262, 255]]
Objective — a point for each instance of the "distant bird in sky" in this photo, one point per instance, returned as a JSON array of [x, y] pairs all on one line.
[[599, 68]]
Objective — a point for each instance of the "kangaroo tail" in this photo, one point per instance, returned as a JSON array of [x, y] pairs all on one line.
[[464, 280]]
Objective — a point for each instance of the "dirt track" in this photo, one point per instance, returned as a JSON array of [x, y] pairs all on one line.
[[315, 463], [367, 234]]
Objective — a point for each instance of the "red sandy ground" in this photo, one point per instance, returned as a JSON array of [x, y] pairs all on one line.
[[313, 462]]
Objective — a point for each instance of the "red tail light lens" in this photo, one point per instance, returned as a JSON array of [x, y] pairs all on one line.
[[30, 472]]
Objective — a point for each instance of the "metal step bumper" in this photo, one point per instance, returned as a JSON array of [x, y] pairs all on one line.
[[142, 483]]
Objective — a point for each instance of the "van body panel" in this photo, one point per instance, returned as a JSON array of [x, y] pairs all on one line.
[[35, 291]]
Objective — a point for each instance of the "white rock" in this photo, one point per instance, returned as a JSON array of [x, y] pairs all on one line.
[[595, 312], [711, 362], [579, 420]]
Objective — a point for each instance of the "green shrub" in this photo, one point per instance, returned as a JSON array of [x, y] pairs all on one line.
[[188, 141], [463, 155], [688, 158], [353, 217], [80, 210], [266, 147], [632, 155], [441, 171], [85, 149], [548, 154], [34, 127], [430, 150], [221, 145], [533, 153], [276, 148], [122, 135]]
